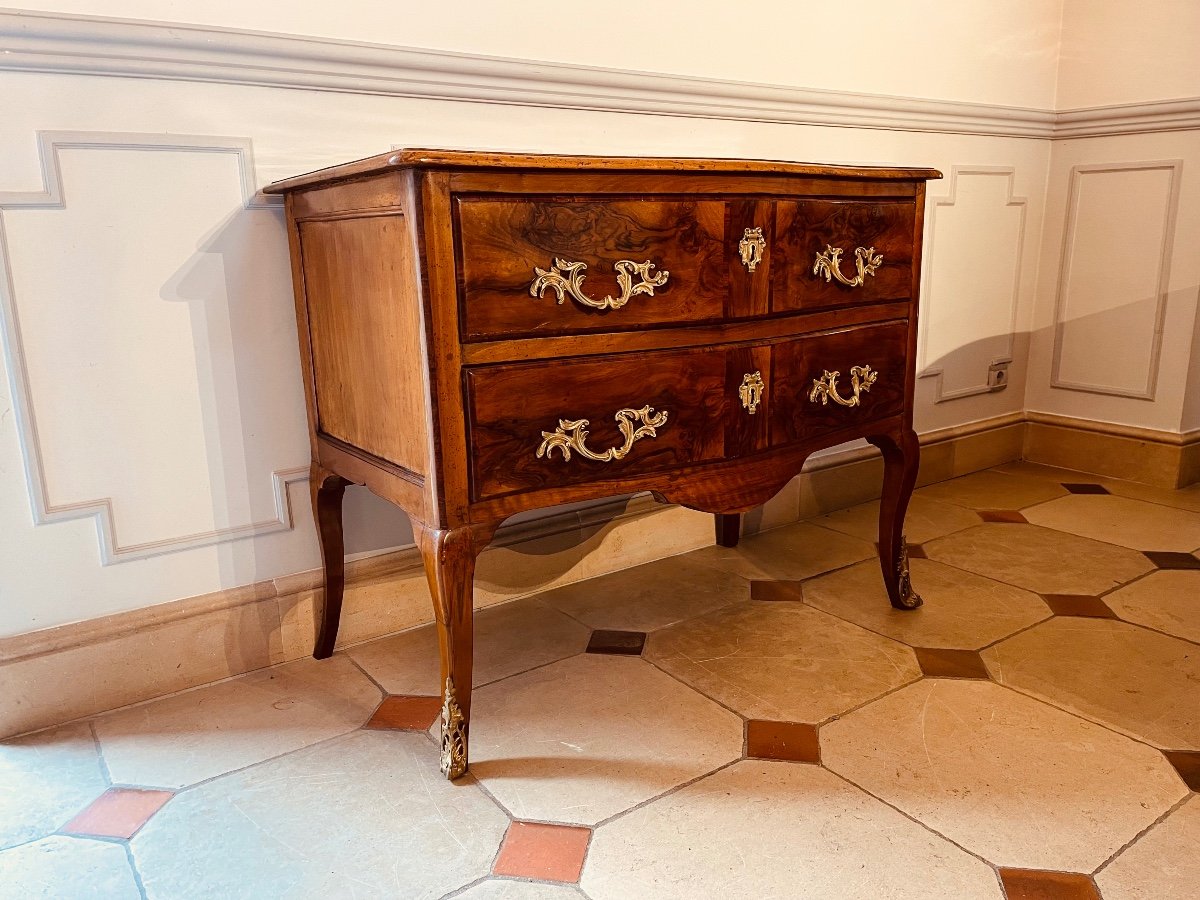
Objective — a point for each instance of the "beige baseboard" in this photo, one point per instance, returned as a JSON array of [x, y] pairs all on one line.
[[78, 670], [1159, 458]]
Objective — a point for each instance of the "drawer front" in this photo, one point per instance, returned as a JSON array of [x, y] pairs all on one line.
[[561, 422], [826, 382], [840, 252], [533, 266]]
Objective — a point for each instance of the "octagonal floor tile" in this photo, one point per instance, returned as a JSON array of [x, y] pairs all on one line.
[[777, 830], [585, 738], [993, 490], [1162, 865], [1039, 559], [1138, 681], [786, 554], [498, 889], [1166, 601], [45, 779], [365, 815], [509, 638], [1021, 783], [962, 610], [199, 734], [782, 661], [927, 519], [1121, 521], [63, 867], [651, 596], [1182, 498]]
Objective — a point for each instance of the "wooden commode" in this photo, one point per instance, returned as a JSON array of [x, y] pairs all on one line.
[[487, 333]]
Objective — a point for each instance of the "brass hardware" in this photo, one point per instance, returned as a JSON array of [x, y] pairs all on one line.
[[571, 434], [454, 734], [573, 282], [829, 264], [751, 247], [825, 387], [909, 598], [751, 391]]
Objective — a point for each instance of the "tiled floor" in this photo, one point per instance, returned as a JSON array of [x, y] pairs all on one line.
[[753, 723]]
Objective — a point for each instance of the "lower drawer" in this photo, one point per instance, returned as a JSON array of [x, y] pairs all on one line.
[[559, 422]]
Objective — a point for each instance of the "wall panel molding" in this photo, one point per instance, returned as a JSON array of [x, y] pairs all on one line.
[[86, 45], [928, 292], [52, 197], [1069, 248]]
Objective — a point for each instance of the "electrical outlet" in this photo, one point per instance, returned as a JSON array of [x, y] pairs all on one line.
[[998, 375]]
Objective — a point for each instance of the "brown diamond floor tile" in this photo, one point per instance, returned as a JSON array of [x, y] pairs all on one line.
[[1084, 605], [1085, 488], [1171, 559], [1003, 515], [403, 713], [791, 741], [937, 662], [118, 813], [622, 643], [1187, 764], [546, 852], [776, 590], [1034, 884]]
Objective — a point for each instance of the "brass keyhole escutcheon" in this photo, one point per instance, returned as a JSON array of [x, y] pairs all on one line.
[[751, 248], [751, 391]]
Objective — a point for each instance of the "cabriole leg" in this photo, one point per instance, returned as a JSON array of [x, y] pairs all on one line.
[[901, 456], [729, 528], [449, 557], [327, 492]]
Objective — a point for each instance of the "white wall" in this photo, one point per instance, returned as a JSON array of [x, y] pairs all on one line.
[[156, 341]]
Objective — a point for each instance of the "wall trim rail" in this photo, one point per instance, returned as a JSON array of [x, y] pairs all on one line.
[[86, 45]]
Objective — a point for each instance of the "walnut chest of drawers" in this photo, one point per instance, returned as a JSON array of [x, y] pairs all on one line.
[[487, 333]]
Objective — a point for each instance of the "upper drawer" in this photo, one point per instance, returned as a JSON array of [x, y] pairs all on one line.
[[875, 262], [593, 253]]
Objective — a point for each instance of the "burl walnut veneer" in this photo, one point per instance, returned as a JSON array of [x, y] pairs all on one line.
[[486, 333]]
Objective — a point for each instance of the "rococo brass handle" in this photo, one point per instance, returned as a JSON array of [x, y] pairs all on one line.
[[829, 264], [825, 389], [566, 277], [751, 391], [751, 248], [572, 433]]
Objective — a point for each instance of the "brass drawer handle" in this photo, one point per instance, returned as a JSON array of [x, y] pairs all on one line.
[[751, 248], [829, 264], [572, 283], [825, 389], [751, 391], [571, 434]]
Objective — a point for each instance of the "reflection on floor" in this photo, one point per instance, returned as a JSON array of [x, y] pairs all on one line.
[[750, 723]]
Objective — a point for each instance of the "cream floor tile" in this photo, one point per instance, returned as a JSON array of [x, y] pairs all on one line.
[[1119, 520], [927, 519], [961, 610], [1019, 782], [1141, 682], [1182, 498], [1162, 865], [994, 489], [650, 596], [776, 830], [1039, 559], [1166, 601], [190, 737], [365, 815], [794, 552], [63, 868], [499, 889], [585, 738], [509, 638], [45, 779], [785, 661]]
